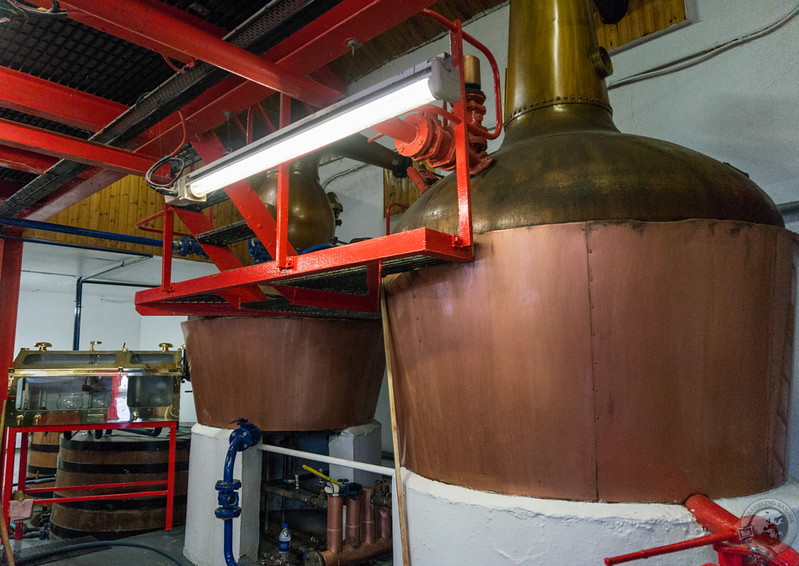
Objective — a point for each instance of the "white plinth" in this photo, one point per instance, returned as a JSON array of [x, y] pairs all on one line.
[[204, 541], [361, 444], [451, 525]]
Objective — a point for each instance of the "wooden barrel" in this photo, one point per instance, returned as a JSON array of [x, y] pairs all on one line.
[[43, 455], [120, 457]]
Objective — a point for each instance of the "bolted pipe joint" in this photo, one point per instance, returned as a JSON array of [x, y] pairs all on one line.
[[228, 499], [246, 436]]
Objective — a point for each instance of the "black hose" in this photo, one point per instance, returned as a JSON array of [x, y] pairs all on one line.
[[99, 543]]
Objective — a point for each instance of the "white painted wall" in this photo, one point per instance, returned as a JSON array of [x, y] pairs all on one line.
[[47, 303]]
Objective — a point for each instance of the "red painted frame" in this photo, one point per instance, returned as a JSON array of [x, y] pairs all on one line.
[[9, 453], [370, 253]]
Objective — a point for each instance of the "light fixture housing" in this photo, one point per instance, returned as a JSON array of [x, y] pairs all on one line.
[[433, 80]]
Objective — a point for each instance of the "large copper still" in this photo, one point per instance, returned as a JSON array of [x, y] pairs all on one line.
[[624, 333], [292, 373]]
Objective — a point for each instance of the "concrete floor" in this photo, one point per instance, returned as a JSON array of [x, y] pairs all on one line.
[[170, 542]]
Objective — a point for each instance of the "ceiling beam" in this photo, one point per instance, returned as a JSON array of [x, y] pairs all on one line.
[[318, 43], [144, 20], [121, 32], [20, 136], [22, 160], [321, 41], [52, 101]]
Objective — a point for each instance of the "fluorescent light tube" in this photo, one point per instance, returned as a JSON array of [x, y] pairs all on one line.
[[419, 86]]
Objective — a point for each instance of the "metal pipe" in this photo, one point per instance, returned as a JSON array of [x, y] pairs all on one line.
[[147, 21], [79, 294], [350, 556], [75, 231], [328, 459], [335, 505], [353, 527], [383, 523], [313, 499], [367, 517], [65, 245], [788, 208], [244, 437], [359, 148]]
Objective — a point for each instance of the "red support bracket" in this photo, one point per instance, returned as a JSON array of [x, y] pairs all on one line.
[[302, 278], [57, 145], [146, 22], [52, 101]]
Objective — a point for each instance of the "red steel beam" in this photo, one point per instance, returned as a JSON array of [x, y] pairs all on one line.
[[144, 20], [10, 271], [24, 137], [320, 42], [89, 182], [323, 40], [22, 160], [123, 33], [421, 241], [45, 99]]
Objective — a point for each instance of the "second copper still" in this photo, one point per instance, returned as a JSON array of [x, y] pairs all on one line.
[[624, 333]]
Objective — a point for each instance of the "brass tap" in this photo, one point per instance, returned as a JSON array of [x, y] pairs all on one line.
[[92, 344], [165, 346], [42, 346]]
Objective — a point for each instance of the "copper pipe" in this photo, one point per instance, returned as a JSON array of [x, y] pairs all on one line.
[[335, 506], [367, 517], [384, 523], [353, 527], [350, 556]]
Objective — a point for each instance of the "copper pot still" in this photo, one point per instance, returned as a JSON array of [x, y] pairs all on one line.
[[624, 333], [285, 373], [288, 373], [311, 220]]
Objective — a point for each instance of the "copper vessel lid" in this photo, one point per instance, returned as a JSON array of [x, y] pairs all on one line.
[[563, 159]]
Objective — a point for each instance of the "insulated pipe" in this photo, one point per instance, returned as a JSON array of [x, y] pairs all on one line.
[[359, 148], [383, 471], [334, 509], [367, 517], [353, 530]]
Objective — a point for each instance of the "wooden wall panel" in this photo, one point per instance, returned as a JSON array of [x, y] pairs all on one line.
[[117, 208], [643, 18]]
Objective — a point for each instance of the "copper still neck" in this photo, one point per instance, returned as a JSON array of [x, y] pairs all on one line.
[[556, 70]]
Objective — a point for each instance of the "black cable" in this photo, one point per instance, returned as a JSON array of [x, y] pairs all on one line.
[[55, 11], [165, 188], [701, 56], [99, 543]]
